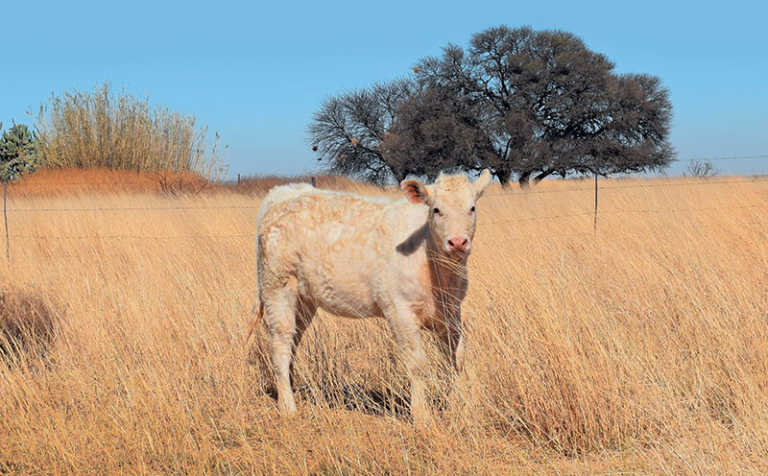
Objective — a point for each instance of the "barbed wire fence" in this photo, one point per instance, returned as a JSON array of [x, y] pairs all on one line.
[[695, 163], [504, 193]]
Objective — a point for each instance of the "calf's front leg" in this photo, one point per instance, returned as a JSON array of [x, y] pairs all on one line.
[[451, 339], [405, 329]]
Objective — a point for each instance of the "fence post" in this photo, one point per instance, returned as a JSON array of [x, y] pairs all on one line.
[[314, 181], [5, 219], [595, 224], [238, 179]]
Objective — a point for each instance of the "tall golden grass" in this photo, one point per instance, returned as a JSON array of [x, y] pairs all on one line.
[[641, 349], [102, 128]]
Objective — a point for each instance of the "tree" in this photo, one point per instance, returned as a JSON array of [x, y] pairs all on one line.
[[18, 152], [517, 101], [700, 169], [549, 105], [348, 130], [18, 155], [435, 130]]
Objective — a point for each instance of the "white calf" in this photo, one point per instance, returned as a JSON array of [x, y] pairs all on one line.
[[357, 256]]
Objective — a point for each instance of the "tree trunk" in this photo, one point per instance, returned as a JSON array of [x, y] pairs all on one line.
[[543, 175], [503, 176], [523, 179]]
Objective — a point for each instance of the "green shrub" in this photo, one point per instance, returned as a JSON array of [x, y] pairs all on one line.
[[18, 152]]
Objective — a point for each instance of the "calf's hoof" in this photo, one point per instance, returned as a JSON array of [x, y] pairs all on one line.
[[286, 408], [422, 418]]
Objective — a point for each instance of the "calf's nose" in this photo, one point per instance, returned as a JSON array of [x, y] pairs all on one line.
[[458, 243]]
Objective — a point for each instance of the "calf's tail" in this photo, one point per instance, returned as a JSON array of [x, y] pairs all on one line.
[[258, 312]]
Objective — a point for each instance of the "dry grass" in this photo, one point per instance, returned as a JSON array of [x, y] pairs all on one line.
[[644, 349], [101, 128], [27, 326], [260, 184]]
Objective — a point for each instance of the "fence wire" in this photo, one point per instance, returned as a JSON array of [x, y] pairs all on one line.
[[492, 194], [591, 213]]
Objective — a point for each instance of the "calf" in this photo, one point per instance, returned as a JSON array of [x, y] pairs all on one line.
[[356, 256]]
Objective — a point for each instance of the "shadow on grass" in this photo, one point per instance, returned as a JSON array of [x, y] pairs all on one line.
[[369, 401], [27, 326]]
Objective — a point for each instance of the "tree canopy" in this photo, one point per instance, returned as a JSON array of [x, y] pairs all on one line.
[[18, 152], [520, 102]]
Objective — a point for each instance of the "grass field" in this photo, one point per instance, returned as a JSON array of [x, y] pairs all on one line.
[[643, 349]]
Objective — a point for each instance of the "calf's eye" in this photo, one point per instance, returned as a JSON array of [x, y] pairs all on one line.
[[436, 211], [472, 210]]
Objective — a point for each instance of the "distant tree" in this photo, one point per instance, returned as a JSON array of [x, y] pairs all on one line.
[[435, 130], [549, 105], [395, 129], [18, 152], [348, 130], [700, 169], [517, 101]]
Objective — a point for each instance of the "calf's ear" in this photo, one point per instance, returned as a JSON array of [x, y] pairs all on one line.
[[481, 182], [415, 191]]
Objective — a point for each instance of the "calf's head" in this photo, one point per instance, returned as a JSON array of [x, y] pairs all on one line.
[[452, 202]]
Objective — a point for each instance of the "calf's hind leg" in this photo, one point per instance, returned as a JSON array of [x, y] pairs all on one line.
[[305, 312], [280, 306]]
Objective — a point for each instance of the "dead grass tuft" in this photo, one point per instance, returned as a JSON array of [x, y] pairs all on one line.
[[27, 325]]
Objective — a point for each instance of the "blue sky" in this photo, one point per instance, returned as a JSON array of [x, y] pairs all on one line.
[[257, 71]]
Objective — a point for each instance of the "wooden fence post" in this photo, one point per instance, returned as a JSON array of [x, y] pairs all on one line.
[[595, 224], [5, 219]]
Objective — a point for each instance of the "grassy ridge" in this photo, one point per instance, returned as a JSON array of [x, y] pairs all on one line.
[[641, 349], [58, 182]]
